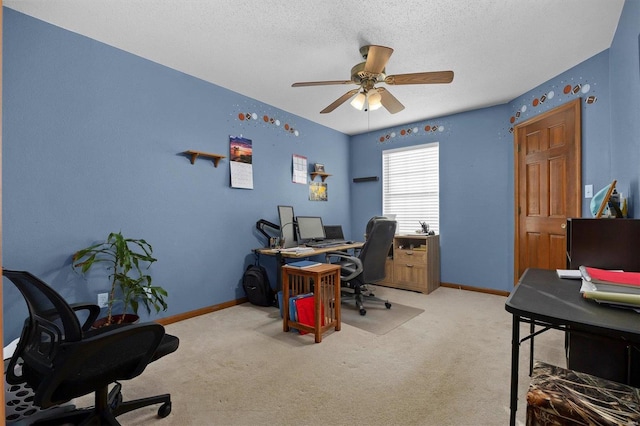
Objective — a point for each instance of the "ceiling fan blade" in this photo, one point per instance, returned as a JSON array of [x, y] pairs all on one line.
[[321, 83], [389, 101], [377, 58], [342, 99], [434, 77]]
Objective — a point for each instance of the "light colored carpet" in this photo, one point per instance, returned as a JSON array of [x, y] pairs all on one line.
[[378, 320], [450, 365]]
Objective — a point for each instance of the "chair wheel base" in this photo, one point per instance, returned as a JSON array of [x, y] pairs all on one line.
[[164, 410]]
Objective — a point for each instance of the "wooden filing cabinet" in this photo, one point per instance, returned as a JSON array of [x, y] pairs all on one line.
[[414, 264], [388, 269]]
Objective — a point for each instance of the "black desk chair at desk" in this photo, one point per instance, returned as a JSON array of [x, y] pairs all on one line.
[[368, 266], [61, 359]]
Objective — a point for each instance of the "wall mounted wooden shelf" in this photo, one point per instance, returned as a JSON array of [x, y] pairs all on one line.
[[195, 154], [322, 175]]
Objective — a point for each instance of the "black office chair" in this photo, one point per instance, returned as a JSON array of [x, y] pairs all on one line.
[[60, 359], [368, 266]]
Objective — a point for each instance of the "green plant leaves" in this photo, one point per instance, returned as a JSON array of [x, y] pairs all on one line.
[[125, 258]]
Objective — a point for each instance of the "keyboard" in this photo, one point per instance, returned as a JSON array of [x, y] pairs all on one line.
[[323, 244]]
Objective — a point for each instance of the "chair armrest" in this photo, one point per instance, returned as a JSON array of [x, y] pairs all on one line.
[[345, 257], [340, 254], [14, 375], [92, 316]]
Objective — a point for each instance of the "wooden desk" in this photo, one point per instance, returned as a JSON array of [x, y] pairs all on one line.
[[290, 253], [282, 254], [324, 281], [541, 298]]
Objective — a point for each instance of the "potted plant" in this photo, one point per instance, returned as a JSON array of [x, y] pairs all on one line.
[[125, 259]]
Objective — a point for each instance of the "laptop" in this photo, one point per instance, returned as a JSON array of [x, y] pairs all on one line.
[[333, 236], [333, 232]]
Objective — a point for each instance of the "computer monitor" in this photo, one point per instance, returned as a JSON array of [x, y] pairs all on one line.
[[287, 226], [310, 228]]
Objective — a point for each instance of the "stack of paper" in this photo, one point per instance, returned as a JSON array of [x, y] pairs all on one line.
[[613, 287], [296, 250]]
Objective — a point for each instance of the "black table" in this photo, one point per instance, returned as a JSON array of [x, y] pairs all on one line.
[[543, 299]]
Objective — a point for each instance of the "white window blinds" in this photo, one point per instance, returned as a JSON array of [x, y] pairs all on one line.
[[411, 186]]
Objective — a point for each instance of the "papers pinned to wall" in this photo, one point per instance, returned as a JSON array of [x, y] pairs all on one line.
[[299, 169], [240, 164]]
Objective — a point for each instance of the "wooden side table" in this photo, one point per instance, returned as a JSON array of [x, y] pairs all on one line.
[[324, 282]]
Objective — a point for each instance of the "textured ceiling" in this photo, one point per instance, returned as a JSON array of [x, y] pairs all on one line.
[[498, 49]]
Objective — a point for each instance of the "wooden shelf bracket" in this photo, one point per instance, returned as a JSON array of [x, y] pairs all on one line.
[[195, 154], [323, 176]]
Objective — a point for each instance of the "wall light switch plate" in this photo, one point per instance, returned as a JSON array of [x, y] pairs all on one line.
[[103, 300], [588, 191]]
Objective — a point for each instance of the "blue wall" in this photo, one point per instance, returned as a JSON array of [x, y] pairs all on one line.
[[476, 174], [477, 162], [588, 79], [625, 103], [91, 144]]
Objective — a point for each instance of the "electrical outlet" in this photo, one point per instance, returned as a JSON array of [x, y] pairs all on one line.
[[103, 300]]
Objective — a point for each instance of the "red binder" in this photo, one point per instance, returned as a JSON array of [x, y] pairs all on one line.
[[305, 308], [596, 275]]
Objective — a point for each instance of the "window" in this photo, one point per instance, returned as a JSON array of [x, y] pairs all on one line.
[[411, 186]]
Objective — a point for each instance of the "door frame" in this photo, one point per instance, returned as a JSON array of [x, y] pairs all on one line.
[[576, 105], [2, 399]]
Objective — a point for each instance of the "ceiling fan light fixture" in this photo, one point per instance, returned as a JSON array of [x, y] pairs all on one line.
[[372, 71], [358, 101], [374, 99]]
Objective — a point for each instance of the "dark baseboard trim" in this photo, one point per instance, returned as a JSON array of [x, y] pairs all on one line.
[[478, 289], [201, 311], [208, 309]]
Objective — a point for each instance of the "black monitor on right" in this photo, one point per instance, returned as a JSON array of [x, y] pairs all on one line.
[[310, 228], [287, 226]]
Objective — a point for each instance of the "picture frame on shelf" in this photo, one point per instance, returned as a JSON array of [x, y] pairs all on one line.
[[318, 168]]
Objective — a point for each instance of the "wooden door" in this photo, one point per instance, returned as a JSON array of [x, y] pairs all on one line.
[[547, 186], [2, 401]]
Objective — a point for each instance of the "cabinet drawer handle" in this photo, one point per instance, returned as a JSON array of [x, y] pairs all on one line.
[[409, 266], [409, 253]]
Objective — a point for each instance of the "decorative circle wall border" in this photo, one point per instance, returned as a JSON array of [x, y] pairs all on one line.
[[252, 116], [539, 103], [413, 130]]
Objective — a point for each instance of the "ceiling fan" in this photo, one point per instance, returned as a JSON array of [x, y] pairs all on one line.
[[372, 71]]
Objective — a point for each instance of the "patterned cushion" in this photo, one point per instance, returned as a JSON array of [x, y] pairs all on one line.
[[558, 396]]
